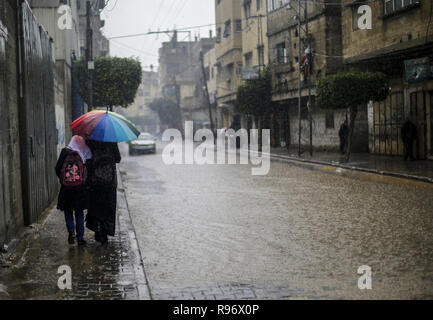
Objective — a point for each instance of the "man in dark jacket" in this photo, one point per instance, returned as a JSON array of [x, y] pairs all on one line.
[[409, 134], [343, 133]]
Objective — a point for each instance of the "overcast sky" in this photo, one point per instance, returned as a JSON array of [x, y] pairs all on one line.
[[126, 17]]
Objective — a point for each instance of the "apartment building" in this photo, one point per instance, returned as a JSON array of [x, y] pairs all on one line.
[[228, 15], [398, 42], [319, 54]]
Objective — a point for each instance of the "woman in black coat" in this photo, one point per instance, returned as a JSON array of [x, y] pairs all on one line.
[[101, 216], [73, 199]]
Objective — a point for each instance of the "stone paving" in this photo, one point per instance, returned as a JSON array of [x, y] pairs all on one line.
[[112, 271]]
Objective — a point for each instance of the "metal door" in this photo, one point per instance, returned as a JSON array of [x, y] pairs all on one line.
[[418, 116], [4, 197], [37, 120]]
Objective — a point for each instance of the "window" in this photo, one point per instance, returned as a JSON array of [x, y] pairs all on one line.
[[281, 53], [259, 4], [227, 29], [238, 25], [247, 9], [393, 5], [207, 73], [239, 68], [218, 38], [261, 55], [329, 120], [248, 59], [275, 4]]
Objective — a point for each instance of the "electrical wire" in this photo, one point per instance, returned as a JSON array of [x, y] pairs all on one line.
[[176, 12], [131, 48], [161, 4]]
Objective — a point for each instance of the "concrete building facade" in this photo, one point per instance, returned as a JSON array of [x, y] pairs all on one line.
[[400, 44], [324, 44], [254, 38], [209, 61], [66, 48], [100, 44], [139, 112], [181, 77], [228, 16]]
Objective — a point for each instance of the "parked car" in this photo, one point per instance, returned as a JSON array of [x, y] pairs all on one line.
[[144, 143]]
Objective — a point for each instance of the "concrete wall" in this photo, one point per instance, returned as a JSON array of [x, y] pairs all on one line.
[[11, 215], [327, 138], [65, 44], [404, 29], [228, 50], [325, 33], [253, 29]]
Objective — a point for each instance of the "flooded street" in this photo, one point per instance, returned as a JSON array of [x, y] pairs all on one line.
[[216, 231]]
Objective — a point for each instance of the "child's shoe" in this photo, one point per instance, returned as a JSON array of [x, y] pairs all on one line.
[[71, 238]]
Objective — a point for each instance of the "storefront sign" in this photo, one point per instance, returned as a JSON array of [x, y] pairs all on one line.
[[249, 74], [418, 70]]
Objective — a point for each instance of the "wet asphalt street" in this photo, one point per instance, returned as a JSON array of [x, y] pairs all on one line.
[[216, 231]]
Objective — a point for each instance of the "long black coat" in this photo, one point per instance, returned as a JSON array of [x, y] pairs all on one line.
[[409, 132], [76, 199], [101, 216]]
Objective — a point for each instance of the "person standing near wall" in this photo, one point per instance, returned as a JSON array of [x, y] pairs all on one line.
[[343, 133], [409, 134]]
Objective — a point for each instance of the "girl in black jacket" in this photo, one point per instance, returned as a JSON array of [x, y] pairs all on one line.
[[73, 199]]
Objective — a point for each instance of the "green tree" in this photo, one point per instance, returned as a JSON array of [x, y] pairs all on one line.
[[115, 81], [254, 96], [348, 90], [168, 112]]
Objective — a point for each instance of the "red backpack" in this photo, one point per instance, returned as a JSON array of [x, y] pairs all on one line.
[[73, 173]]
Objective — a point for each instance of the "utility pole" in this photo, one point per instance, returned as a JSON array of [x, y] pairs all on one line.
[[89, 55], [178, 93], [207, 93], [308, 76], [299, 77]]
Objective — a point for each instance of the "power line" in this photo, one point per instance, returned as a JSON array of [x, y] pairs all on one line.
[[153, 22], [131, 48], [168, 14]]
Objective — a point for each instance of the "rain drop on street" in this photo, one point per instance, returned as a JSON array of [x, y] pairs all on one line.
[[216, 231]]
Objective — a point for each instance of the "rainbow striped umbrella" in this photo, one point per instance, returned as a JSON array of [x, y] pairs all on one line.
[[106, 126]]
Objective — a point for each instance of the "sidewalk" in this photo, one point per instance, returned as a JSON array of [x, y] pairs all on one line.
[[386, 165], [113, 271]]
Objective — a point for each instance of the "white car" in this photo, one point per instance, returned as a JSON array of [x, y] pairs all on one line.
[[144, 143]]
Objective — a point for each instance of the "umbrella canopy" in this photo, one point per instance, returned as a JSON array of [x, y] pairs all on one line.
[[105, 126]]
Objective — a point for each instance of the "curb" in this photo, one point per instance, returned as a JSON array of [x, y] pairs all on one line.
[[143, 287], [307, 162]]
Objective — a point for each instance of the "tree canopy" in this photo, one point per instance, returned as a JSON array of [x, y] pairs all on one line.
[[347, 89], [115, 81], [168, 112], [254, 96]]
